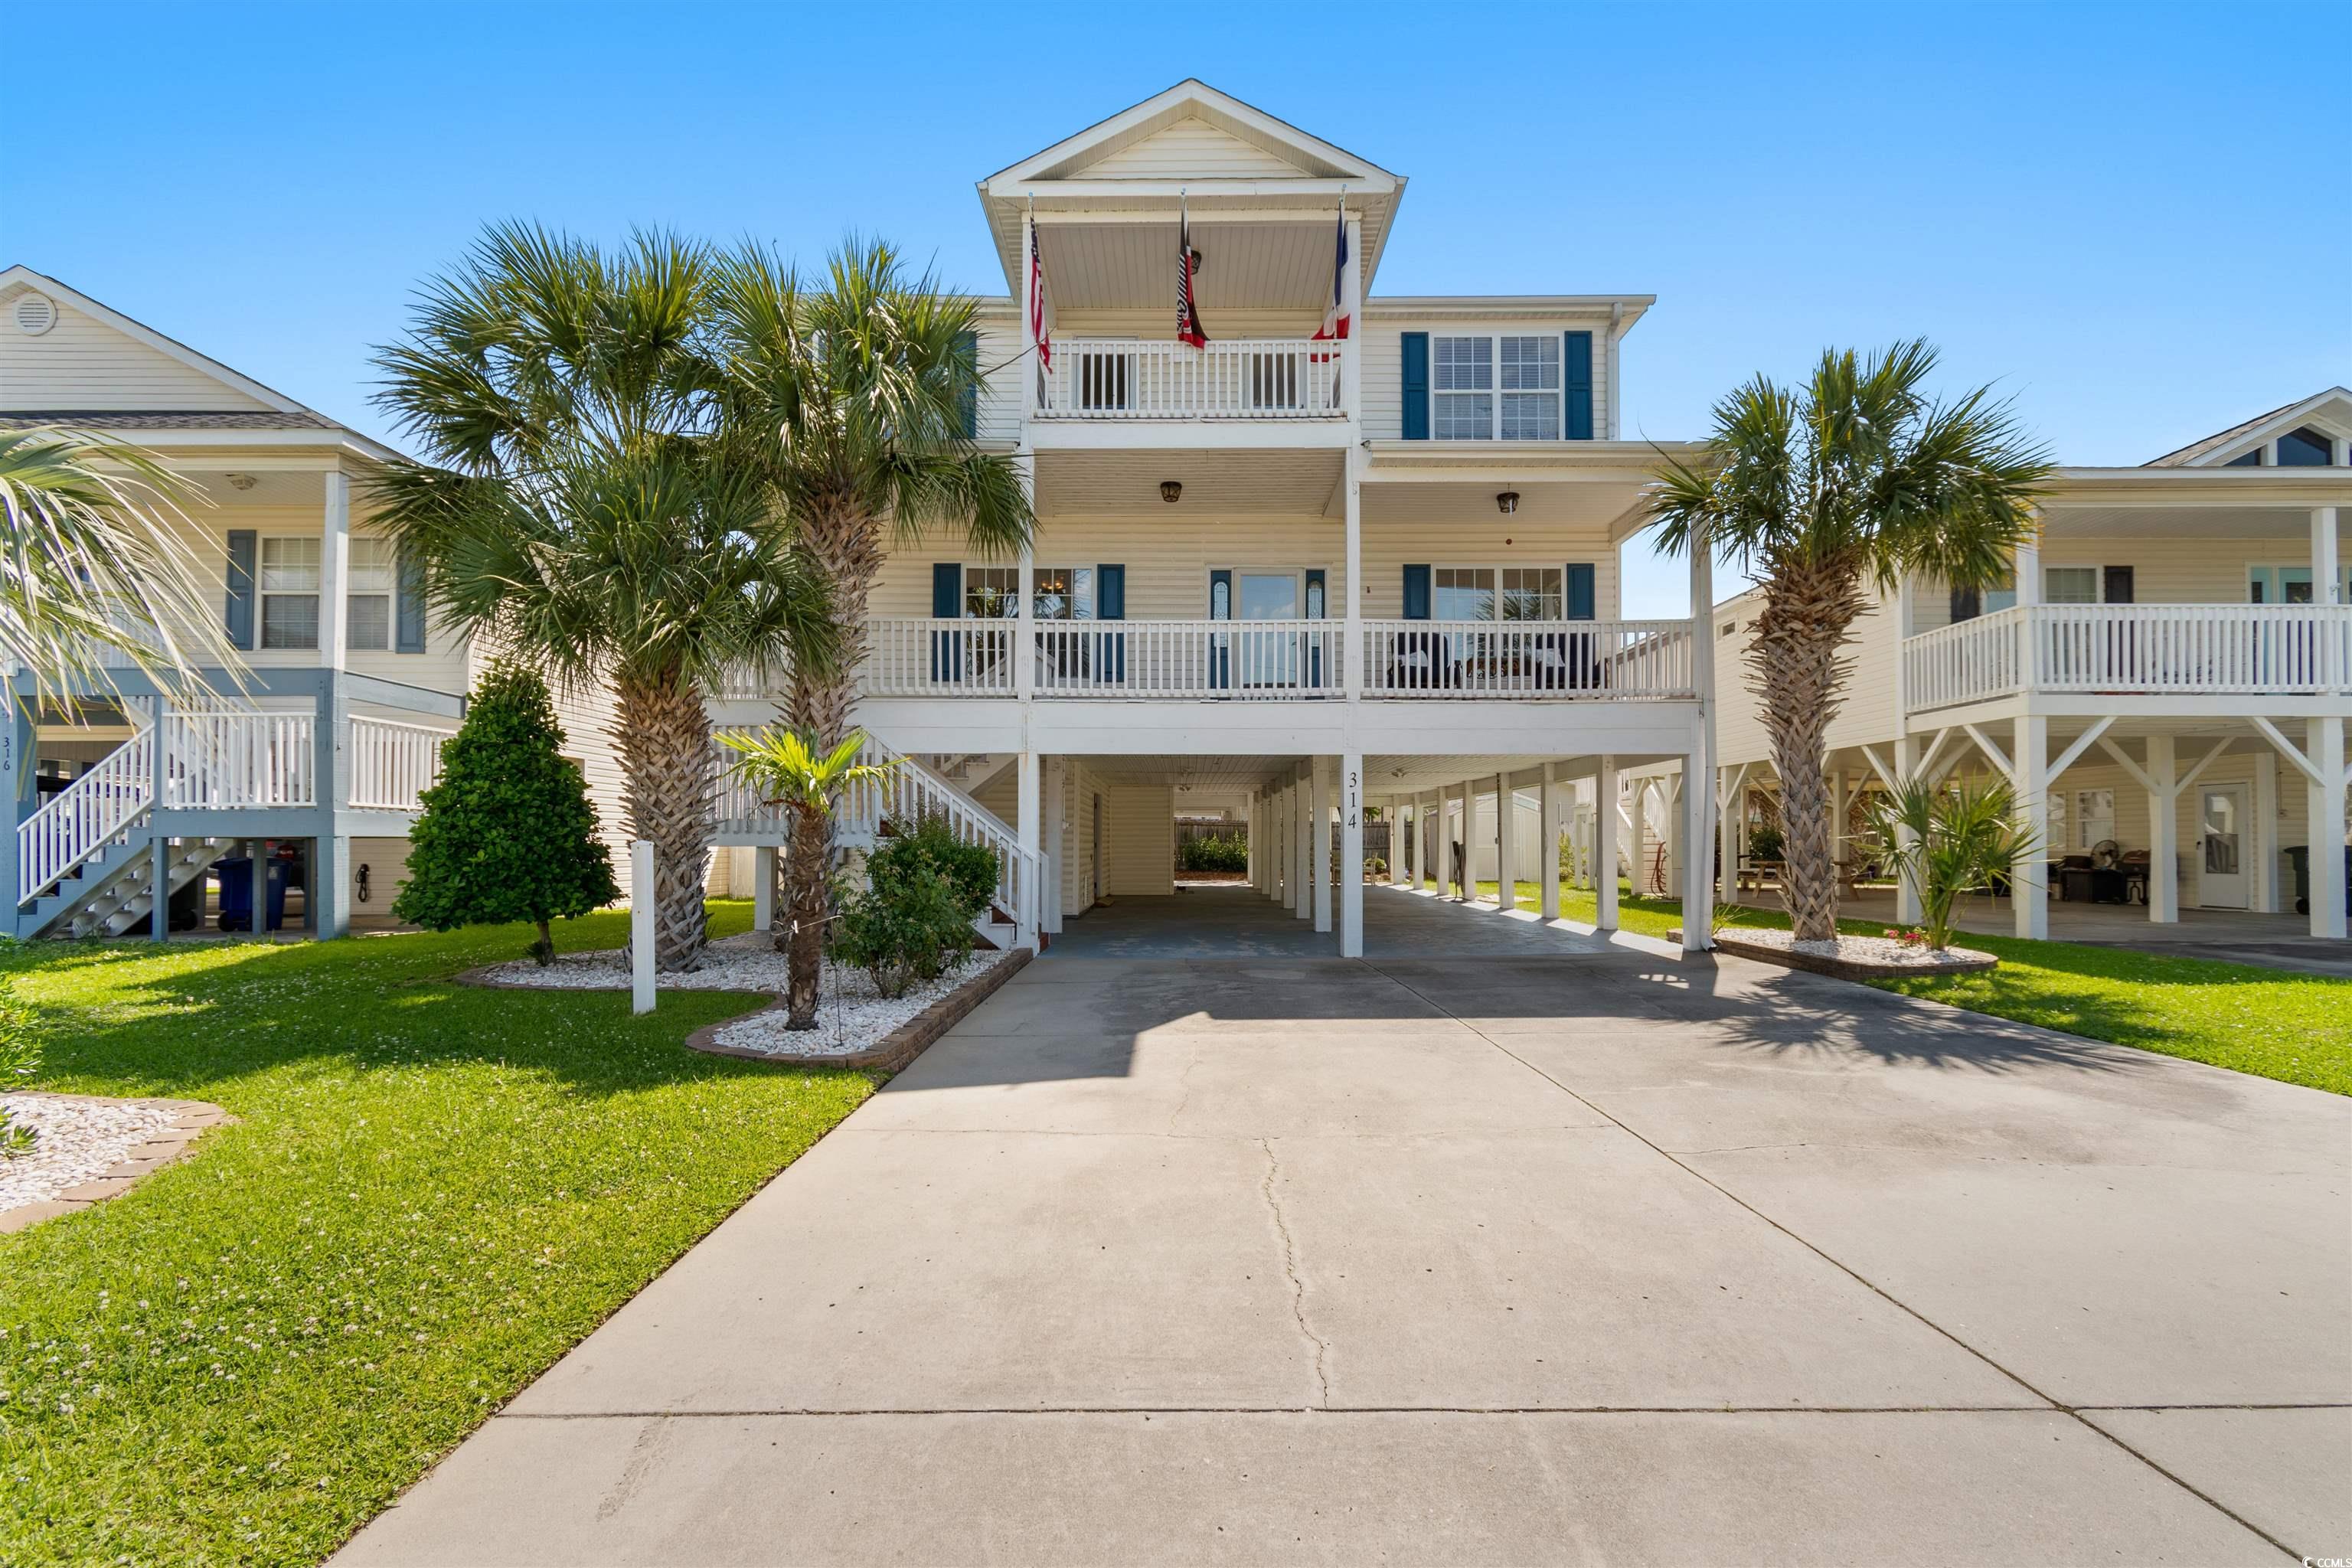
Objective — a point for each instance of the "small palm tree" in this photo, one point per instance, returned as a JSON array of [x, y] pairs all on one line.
[[592, 517], [788, 768], [96, 560], [1858, 480], [858, 386], [1948, 839]]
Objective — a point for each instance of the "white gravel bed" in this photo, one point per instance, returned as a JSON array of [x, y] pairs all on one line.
[[74, 1141], [1878, 950], [850, 1016]]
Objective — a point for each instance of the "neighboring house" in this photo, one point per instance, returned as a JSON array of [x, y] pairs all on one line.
[[315, 755], [2169, 671], [1293, 577]]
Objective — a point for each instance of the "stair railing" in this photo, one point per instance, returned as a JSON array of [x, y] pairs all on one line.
[[86, 815]]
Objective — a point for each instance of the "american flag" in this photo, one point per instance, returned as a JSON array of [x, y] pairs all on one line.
[[1188, 317], [1335, 318], [1037, 327]]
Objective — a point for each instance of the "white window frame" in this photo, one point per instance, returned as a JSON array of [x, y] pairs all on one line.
[[358, 591], [264, 593], [1496, 570], [1299, 582], [1012, 591], [2277, 568], [2099, 580], [1494, 391]]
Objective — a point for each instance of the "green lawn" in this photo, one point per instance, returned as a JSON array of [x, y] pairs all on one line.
[[431, 1191], [2292, 1027]]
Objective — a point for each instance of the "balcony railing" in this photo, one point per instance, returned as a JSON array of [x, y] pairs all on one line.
[[1123, 379], [1271, 661], [1555, 660], [2133, 649]]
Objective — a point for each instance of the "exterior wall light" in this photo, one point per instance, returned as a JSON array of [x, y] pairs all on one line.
[[1506, 502], [1169, 491]]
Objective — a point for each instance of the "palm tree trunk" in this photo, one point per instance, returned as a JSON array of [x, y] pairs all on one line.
[[1797, 672], [810, 878], [843, 542], [663, 734]]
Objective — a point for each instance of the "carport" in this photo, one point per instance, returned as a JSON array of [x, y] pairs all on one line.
[[1239, 923]]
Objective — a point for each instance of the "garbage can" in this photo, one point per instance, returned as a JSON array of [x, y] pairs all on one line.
[[187, 907], [2301, 856], [236, 893]]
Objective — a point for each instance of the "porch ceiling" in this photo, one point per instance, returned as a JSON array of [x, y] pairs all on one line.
[[1131, 265], [1125, 482], [2286, 521], [1613, 505]]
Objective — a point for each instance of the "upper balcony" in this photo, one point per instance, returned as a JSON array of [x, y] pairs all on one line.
[[1280, 379], [2133, 651]]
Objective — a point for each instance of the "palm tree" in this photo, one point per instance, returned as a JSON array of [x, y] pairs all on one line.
[[1858, 479], [859, 383], [591, 515], [96, 560], [786, 767], [1948, 839]]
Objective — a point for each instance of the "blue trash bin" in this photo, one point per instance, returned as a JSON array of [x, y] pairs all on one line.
[[236, 893]]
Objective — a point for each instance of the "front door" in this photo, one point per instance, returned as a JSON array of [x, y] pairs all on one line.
[[2223, 844], [1267, 656]]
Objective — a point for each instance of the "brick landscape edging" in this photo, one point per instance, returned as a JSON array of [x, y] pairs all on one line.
[[190, 1119], [895, 1049], [1842, 968]]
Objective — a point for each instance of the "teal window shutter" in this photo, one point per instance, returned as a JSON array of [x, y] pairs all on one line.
[[1576, 377], [967, 351], [1110, 605], [244, 549], [947, 604], [1416, 593], [408, 609], [1414, 367], [1579, 594]]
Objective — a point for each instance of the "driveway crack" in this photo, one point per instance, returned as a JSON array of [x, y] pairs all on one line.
[[1290, 1269]]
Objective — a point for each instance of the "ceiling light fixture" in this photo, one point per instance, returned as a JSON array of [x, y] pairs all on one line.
[[242, 481], [1170, 489], [1506, 502]]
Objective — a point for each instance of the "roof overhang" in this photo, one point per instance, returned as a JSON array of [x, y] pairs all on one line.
[[1314, 174], [2234, 487], [2333, 407]]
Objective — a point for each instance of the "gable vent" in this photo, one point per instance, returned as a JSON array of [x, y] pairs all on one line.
[[35, 314]]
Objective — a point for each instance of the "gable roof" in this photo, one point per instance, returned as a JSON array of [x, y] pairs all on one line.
[[2223, 444], [110, 372], [1194, 143]]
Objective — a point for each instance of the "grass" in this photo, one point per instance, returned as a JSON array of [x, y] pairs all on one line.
[[2273, 1023], [430, 1193]]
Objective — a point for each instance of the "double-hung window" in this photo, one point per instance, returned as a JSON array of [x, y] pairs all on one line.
[[2070, 584], [1061, 593], [1462, 388], [1503, 388], [991, 592], [1462, 593], [1533, 594], [290, 592], [369, 600]]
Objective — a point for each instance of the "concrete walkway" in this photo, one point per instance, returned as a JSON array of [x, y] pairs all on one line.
[[1236, 922], [1586, 1257]]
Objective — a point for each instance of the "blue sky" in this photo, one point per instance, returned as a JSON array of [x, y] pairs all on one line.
[[2134, 218]]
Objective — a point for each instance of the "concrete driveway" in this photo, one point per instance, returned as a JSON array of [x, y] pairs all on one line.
[[1595, 1256]]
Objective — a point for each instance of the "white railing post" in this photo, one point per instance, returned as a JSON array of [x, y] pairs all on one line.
[[642, 901]]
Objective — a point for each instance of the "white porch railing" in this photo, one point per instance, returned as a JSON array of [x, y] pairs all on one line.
[[922, 657], [86, 815], [1257, 660], [911, 790], [392, 764], [1262, 378], [234, 761], [2155, 650], [1536, 659]]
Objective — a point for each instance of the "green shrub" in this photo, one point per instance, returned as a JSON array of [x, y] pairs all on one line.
[[905, 930], [1375, 867], [1764, 844], [20, 1057], [509, 833], [1219, 852], [970, 868]]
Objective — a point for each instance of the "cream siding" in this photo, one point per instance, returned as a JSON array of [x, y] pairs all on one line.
[[385, 860], [1004, 371], [1389, 547], [1139, 838], [1189, 149], [81, 362]]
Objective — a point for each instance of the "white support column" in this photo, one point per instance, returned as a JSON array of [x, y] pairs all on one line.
[[1547, 836], [2028, 573], [1731, 784], [641, 925], [1352, 658], [1302, 844], [2029, 876], [2262, 894], [1351, 855], [1030, 801], [1699, 846], [1637, 839], [335, 575], [2164, 831], [1605, 846], [1397, 804], [2324, 744], [1049, 904], [1424, 839], [1319, 843], [2326, 570], [1907, 891], [763, 886], [1024, 630], [1506, 844]]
